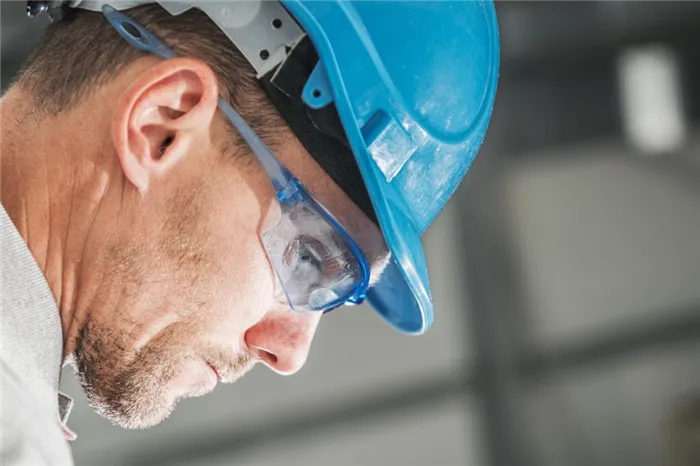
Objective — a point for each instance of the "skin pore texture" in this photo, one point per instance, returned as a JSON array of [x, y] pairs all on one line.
[[149, 236]]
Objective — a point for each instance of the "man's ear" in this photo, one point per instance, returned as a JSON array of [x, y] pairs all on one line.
[[161, 116]]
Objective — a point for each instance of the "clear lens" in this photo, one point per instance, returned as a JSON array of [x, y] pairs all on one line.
[[315, 265]]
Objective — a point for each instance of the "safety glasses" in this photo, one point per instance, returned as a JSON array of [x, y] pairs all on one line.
[[317, 264]]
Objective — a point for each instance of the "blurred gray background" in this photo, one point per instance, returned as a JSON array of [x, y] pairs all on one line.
[[566, 278]]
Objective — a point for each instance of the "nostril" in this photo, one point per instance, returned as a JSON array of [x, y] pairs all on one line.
[[269, 358]]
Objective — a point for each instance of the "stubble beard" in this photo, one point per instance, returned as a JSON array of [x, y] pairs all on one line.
[[128, 391]]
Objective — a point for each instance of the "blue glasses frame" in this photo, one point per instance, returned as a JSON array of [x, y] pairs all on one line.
[[287, 187]]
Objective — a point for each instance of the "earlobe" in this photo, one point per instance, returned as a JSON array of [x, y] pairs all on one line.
[[167, 110]]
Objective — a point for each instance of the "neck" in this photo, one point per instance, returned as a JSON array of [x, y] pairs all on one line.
[[51, 193]]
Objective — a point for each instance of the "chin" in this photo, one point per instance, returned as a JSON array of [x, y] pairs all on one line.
[[134, 413], [144, 417], [138, 389], [141, 422], [144, 409], [129, 401]]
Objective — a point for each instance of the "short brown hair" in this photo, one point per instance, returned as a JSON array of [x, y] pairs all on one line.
[[83, 51]]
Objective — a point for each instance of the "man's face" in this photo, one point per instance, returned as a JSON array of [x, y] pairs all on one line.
[[179, 291]]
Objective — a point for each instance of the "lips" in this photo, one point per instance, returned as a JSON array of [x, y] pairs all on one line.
[[218, 377], [231, 368], [193, 379]]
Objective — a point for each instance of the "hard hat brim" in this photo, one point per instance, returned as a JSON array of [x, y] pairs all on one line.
[[400, 297]]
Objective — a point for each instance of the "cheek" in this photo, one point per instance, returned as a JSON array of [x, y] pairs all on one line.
[[243, 290]]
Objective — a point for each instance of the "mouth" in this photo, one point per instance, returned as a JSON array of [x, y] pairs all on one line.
[[218, 377], [228, 371]]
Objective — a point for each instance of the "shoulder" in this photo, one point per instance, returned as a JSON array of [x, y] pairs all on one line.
[[29, 434]]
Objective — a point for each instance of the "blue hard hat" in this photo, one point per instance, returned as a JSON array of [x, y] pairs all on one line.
[[413, 84]]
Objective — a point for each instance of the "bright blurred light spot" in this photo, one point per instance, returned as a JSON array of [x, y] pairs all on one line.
[[651, 98]]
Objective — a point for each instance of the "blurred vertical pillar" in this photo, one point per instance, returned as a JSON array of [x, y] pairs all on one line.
[[494, 317]]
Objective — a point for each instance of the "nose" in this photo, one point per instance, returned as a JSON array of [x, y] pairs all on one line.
[[282, 339]]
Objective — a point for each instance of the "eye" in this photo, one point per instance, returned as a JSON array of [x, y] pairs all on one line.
[[305, 251], [304, 255]]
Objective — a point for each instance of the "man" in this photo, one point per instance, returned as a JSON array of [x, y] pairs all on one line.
[[149, 237]]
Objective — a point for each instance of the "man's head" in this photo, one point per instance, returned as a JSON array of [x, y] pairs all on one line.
[[169, 282]]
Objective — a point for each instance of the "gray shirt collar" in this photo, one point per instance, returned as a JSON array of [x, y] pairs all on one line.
[[31, 334]]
